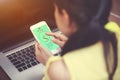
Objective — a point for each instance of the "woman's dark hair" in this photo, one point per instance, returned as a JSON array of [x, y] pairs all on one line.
[[90, 17]]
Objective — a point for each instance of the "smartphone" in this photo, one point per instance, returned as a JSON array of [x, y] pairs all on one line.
[[39, 32]]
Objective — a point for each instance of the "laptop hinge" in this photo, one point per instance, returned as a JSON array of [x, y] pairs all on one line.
[[18, 45]]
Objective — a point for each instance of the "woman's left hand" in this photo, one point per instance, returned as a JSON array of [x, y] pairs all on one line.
[[42, 54]]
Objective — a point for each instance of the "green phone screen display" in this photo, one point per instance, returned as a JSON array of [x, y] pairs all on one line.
[[42, 38]]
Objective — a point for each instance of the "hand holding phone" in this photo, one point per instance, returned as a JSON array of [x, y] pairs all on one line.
[[39, 32]]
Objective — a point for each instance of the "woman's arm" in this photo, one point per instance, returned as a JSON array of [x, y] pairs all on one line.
[[58, 71]]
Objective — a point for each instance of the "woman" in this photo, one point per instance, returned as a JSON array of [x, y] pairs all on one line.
[[90, 51]]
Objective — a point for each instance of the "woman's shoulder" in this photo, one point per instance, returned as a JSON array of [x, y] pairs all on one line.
[[92, 50], [113, 27], [58, 71]]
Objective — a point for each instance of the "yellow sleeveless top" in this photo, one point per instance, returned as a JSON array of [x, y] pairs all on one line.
[[87, 63]]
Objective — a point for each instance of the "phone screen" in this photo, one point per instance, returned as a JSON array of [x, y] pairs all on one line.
[[40, 34]]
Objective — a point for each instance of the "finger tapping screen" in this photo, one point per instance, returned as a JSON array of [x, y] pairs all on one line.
[[45, 40]]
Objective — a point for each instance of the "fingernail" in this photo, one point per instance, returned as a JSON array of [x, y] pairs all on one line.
[[37, 45]]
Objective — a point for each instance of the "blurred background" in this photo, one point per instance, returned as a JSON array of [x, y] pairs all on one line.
[[16, 16], [115, 13]]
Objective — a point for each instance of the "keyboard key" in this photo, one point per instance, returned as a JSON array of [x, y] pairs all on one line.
[[29, 66], [24, 58], [27, 62], [14, 55], [20, 65], [16, 63], [9, 57], [13, 60], [20, 69], [34, 63], [24, 67]]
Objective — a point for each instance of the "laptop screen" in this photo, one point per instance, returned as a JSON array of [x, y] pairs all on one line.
[[16, 17]]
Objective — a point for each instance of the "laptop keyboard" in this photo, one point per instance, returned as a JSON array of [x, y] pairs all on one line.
[[24, 58]]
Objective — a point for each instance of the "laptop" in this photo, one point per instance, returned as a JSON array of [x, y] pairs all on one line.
[[17, 56], [19, 62]]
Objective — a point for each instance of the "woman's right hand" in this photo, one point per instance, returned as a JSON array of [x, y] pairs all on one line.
[[59, 38]]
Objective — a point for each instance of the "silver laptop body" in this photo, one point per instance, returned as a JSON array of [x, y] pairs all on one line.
[[21, 69]]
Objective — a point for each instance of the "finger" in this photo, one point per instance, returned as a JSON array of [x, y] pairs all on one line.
[[53, 34], [50, 33], [36, 44], [37, 50], [58, 36], [40, 48], [63, 37], [56, 41]]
